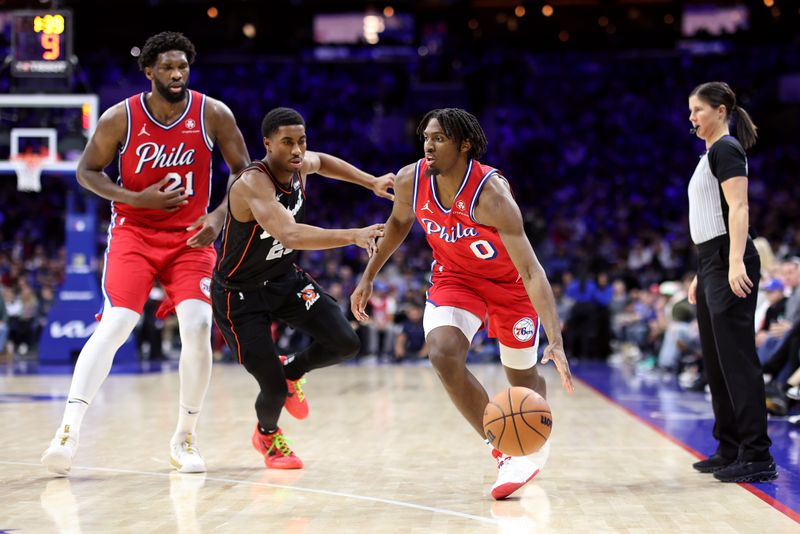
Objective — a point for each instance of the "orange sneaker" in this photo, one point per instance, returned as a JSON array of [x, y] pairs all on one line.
[[296, 403], [277, 454]]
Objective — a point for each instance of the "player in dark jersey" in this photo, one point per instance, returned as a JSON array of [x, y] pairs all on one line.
[[484, 266], [256, 279], [160, 229]]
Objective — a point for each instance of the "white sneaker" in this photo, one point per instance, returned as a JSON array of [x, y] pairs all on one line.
[[58, 456], [185, 457], [541, 456], [515, 472]]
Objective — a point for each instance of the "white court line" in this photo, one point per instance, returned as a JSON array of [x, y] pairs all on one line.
[[391, 502]]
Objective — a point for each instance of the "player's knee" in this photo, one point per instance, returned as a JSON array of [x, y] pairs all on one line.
[[340, 341], [347, 344], [444, 361], [350, 344], [195, 328]]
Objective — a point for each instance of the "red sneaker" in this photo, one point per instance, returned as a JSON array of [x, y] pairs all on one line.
[[296, 403], [277, 454]]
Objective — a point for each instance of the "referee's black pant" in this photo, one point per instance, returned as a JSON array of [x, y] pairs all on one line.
[[727, 337]]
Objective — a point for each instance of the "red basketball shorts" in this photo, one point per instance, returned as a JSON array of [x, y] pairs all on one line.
[[137, 256], [503, 306]]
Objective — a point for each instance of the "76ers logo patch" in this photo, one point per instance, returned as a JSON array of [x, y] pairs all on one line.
[[309, 295], [205, 286], [523, 329]]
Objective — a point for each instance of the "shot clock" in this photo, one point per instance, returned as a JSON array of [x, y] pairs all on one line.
[[41, 43]]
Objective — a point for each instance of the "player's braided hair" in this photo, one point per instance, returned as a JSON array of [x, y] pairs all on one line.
[[458, 125], [280, 117], [164, 42]]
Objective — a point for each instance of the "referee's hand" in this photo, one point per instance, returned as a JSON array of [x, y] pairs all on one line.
[[693, 291], [739, 281]]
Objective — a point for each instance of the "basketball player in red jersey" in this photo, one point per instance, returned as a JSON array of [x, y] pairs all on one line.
[[483, 266], [159, 229]]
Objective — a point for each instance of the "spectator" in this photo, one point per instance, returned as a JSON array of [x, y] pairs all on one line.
[[410, 342]]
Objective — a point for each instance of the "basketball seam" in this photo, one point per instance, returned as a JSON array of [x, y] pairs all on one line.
[[516, 413], [521, 404], [535, 429], [488, 423], [514, 421]]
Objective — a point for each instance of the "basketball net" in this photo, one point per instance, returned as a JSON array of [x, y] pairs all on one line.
[[29, 171]]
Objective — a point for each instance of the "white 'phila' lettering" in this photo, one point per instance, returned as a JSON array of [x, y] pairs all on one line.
[[155, 153], [449, 235]]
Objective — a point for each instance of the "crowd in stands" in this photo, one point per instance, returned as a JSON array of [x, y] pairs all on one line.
[[598, 154]]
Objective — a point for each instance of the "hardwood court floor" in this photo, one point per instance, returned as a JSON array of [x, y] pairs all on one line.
[[384, 451]]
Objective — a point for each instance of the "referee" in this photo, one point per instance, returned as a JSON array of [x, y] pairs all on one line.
[[726, 287]]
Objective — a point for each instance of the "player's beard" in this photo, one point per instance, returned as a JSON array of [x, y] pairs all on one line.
[[168, 95], [432, 171]]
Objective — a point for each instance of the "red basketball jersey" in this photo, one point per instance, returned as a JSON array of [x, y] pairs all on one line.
[[180, 151], [460, 244]]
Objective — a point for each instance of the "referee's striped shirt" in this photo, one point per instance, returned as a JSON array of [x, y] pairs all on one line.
[[708, 211]]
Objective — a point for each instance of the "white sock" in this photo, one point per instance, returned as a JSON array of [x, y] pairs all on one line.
[[94, 363], [194, 323], [187, 423], [73, 415], [541, 456]]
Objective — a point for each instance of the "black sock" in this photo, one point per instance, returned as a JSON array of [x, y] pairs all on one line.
[[266, 432]]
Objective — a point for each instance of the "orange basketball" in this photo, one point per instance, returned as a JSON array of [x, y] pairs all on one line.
[[517, 421]]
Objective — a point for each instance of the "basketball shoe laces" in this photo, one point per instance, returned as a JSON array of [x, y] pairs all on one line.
[[297, 386], [500, 458], [280, 444]]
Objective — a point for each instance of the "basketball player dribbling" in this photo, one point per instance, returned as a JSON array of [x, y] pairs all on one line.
[[159, 229], [483, 266], [256, 280]]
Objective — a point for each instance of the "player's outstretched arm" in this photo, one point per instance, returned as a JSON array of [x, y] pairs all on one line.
[[257, 193], [497, 208], [223, 130], [397, 228], [333, 167], [100, 152]]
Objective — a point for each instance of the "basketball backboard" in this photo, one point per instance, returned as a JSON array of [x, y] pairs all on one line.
[[45, 132]]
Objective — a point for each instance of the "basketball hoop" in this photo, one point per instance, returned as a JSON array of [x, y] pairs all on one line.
[[29, 171]]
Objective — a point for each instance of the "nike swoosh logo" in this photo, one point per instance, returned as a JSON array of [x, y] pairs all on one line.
[[192, 413], [76, 402]]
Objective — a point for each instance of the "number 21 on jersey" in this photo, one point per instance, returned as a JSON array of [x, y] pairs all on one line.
[[176, 181]]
